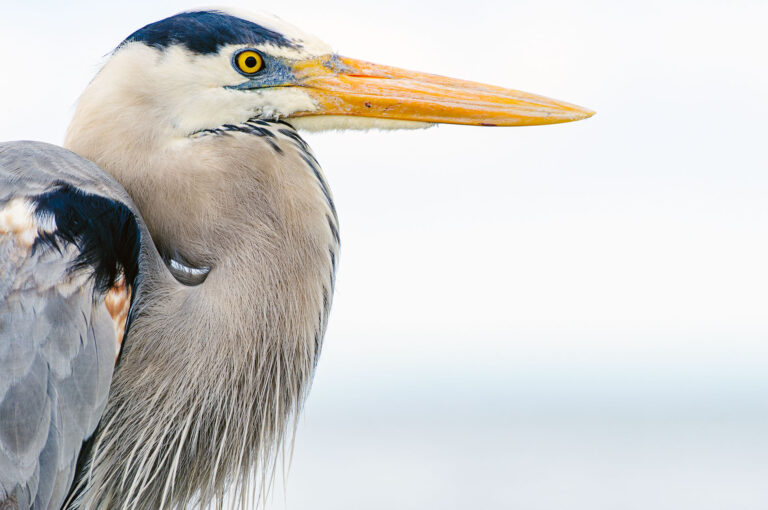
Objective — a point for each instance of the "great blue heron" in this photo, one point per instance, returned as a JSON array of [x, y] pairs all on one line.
[[210, 245]]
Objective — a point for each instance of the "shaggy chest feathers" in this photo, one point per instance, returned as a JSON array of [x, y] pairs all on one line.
[[262, 241]]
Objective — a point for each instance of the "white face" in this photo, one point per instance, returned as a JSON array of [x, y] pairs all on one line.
[[193, 91], [188, 92]]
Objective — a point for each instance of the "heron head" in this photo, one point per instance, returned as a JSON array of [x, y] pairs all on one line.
[[202, 69]]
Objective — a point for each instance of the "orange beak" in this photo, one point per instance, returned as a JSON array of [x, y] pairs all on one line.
[[344, 86]]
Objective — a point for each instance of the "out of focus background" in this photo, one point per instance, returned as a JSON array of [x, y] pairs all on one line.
[[557, 317]]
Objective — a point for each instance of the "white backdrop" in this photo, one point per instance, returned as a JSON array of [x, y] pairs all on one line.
[[567, 316]]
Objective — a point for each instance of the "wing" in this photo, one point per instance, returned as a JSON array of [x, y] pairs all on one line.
[[68, 264]]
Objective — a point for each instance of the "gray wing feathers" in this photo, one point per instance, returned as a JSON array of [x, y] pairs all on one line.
[[57, 347], [32, 167]]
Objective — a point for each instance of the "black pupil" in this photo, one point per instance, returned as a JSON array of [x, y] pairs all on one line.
[[250, 62]]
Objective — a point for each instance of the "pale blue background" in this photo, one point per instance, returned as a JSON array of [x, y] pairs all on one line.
[[561, 317]]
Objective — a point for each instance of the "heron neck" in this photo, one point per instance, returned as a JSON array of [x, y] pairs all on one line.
[[250, 203], [253, 206]]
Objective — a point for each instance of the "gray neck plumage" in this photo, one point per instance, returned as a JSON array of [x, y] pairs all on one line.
[[217, 362]]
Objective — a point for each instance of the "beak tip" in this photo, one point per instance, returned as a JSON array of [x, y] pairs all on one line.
[[576, 113], [585, 114]]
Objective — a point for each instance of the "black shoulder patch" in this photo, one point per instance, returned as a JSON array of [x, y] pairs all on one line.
[[105, 231], [205, 32]]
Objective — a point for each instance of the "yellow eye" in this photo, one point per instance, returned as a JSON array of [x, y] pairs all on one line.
[[249, 62]]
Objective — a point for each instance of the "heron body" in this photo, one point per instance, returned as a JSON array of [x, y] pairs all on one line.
[[166, 279]]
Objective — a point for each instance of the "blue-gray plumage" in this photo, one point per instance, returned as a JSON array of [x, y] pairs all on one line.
[[201, 318], [58, 339]]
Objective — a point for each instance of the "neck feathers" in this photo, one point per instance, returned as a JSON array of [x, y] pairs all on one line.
[[212, 375]]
